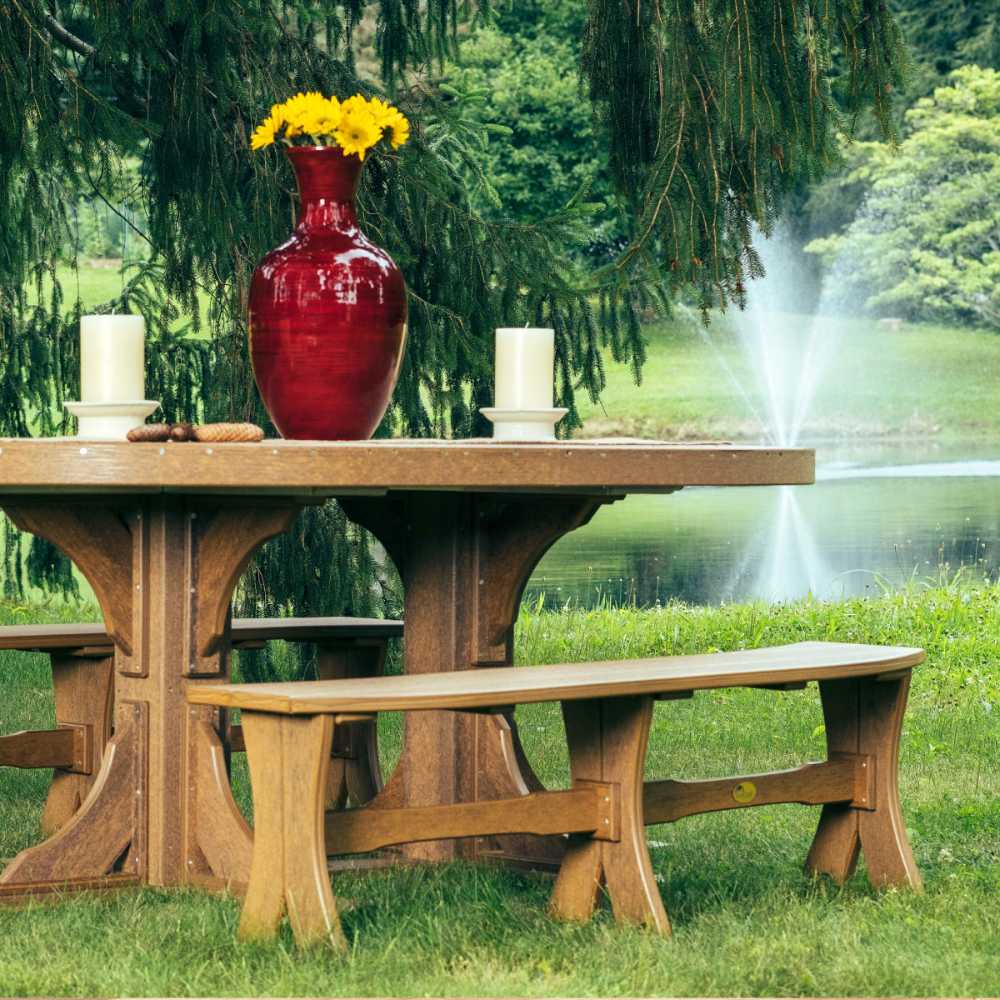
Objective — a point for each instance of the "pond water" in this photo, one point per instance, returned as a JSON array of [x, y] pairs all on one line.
[[878, 516]]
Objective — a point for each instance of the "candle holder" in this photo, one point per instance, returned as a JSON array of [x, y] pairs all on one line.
[[110, 421], [524, 425]]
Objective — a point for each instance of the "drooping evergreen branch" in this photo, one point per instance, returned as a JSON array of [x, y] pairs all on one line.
[[715, 109]]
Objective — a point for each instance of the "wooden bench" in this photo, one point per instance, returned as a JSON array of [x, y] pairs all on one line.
[[607, 708], [82, 660]]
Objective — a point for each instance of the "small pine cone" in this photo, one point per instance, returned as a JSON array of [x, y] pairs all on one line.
[[228, 432], [150, 432], [182, 432]]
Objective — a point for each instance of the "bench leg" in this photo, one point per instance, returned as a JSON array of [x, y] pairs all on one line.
[[355, 772], [607, 743], [289, 762], [865, 716], [83, 691]]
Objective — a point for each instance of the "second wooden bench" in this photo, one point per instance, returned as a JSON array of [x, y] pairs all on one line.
[[607, 708], [82, 661]]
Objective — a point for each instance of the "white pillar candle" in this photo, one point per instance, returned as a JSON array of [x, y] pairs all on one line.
[[525, 364], [112, 359]]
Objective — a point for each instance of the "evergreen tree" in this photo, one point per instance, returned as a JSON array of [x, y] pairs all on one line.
[[712, 109]]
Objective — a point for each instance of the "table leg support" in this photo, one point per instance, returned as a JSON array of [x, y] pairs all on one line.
[[163, 570], [107, 823], [464, 560]]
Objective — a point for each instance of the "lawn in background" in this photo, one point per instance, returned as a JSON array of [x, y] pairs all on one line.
[[746, 920], [917, 381]]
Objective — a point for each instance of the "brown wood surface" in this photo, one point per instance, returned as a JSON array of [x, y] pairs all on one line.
[[607, 744], [83, 690], [332, 468], [94, 637], [42, 748], [810, 784], [458, 518], [864, 716], [358, 831], [803, 661], [289, 759], [93, 840]]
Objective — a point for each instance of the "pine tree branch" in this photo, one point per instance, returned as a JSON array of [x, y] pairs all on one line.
[[62, 34]]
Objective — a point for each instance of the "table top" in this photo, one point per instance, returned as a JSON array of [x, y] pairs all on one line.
[[336, 468]]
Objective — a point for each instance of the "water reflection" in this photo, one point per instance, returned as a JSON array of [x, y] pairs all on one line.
[[875, 517]]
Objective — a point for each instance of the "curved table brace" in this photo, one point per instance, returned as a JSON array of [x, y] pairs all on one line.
[[109, 821], [99, 543]]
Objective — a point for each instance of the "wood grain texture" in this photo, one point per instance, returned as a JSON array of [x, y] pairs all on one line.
[[882, 829], [463, 566], [41, 748], [805, 661], [98, 541], [514, 533], [83, 689], [289, 759], [355, 774], [218, 829], [810, 784], [864, 716], [357, 831], [227, 539], [607, 743], [27, 893], [97, 835], [332, 468]]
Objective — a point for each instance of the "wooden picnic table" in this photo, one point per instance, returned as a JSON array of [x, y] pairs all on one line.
[[163, 533]]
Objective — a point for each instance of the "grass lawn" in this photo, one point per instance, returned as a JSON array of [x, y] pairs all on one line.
[[920, 380], [746, 920]]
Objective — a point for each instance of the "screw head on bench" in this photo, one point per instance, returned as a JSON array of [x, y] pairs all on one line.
[[745, 791]]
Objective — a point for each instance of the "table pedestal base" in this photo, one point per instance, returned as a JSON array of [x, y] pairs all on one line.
[[163, 570], [464, 560]]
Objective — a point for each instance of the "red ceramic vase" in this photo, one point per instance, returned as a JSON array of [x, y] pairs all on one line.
[[327, 312]]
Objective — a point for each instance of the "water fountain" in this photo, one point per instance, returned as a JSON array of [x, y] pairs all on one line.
[[787, 357]]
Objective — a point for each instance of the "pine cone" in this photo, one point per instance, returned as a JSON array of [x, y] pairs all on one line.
[[150, 432], [228, 432]]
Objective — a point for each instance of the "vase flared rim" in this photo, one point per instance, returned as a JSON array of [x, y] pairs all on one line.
[[325, 150]]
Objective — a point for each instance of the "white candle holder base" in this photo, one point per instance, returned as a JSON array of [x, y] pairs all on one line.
[[110, 421], [524, 425]]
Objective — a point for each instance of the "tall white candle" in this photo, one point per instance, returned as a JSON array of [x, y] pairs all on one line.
[[112, 359], [525, 363]]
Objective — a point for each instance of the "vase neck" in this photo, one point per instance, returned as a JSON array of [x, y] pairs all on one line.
[[327, 182]]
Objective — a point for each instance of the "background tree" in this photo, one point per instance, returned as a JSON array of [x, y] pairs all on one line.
[[711, 110], [926, 243]]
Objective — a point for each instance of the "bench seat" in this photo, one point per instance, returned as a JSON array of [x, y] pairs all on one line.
[[494, 686], [64, 638], [607, 708], [82, 661]]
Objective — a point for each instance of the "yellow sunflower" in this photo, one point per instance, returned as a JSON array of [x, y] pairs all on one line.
[[399, 125], [299, 111], [264, 133], [357, 131]]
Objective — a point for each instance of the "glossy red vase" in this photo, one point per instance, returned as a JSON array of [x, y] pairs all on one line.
[[327, 312]]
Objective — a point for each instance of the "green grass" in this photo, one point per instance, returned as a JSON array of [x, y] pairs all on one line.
[[746, 920], [918, 381]]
